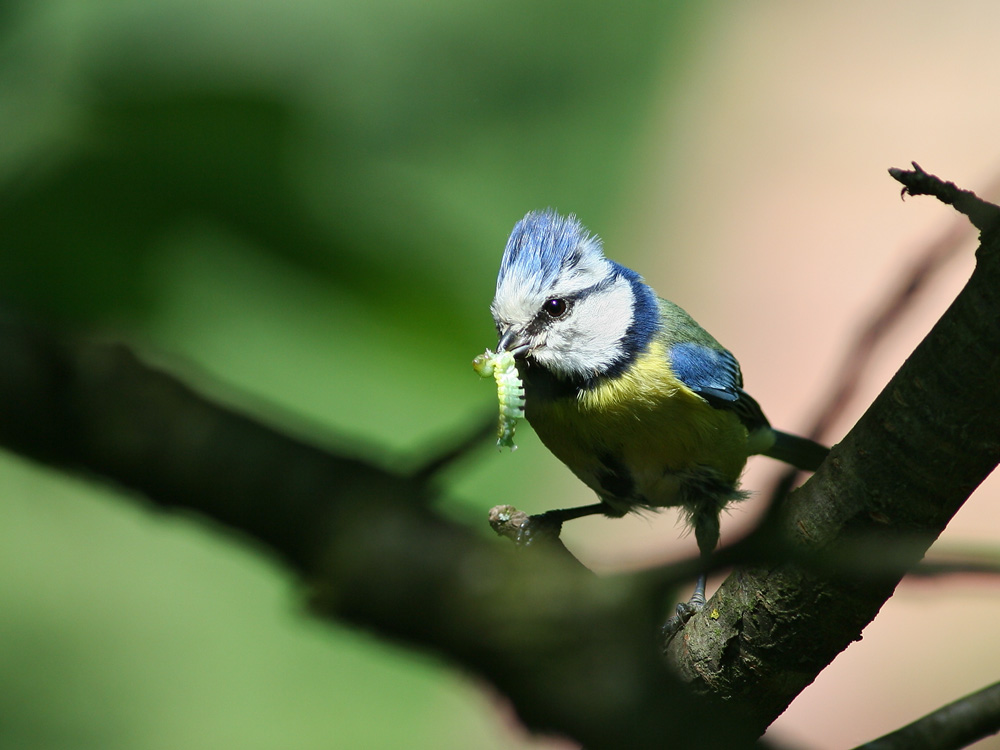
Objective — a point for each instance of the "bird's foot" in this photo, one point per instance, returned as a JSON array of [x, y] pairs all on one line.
[[684, 612]]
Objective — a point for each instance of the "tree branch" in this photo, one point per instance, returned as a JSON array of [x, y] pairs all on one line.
[[899, 299], [896, 480], [956, 725], [984, 216], [574, 653]]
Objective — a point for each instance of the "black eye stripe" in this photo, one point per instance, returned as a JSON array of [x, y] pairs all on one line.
[[547, 315], [544, 318]]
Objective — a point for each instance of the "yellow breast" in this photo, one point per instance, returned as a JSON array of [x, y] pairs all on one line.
[[647, 423]]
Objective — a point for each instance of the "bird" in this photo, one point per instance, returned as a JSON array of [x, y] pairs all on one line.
[[625, 388]]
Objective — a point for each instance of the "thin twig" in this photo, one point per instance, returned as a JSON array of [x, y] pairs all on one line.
[[507, 521], [956, 725], [459, 448]]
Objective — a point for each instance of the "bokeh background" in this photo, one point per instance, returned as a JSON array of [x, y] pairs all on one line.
[[300, 207]]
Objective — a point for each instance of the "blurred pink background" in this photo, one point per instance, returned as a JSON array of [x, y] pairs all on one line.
[[774, 183]]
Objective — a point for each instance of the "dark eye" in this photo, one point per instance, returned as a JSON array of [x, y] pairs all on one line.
[[555, 308]]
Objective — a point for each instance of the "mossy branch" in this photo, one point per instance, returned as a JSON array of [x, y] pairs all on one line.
[[896, 479]]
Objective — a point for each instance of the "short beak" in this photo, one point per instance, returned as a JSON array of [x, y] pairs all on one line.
[[514, 342]]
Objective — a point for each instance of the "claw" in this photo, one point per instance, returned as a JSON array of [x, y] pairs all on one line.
[[684, 612]]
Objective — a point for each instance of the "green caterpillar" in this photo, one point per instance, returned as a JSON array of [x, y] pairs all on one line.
[[510, 391]]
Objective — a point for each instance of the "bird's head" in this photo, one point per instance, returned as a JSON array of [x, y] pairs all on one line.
[[560, 304]]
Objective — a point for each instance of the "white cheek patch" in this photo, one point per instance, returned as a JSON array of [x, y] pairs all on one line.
[[589, 339]]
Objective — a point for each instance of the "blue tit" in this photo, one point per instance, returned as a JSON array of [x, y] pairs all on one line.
[[626, 389]]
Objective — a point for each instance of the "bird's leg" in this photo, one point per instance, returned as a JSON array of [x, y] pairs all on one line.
[[706, 533], [550, 523], [705, 519], [697, 600]]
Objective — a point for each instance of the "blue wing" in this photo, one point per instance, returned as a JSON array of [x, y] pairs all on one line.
[[714, 374]]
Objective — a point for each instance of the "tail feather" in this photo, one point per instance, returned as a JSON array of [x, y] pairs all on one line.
[[800, 452]]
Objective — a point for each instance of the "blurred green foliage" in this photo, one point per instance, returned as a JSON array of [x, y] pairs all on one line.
[[305, 202]]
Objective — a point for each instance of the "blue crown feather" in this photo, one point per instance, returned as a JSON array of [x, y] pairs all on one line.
[[544, 245]]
